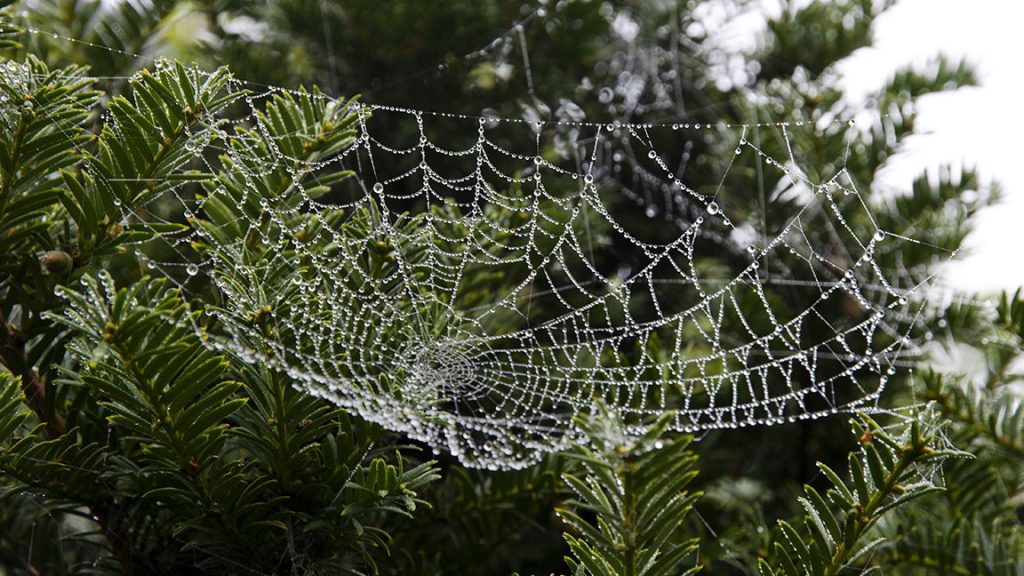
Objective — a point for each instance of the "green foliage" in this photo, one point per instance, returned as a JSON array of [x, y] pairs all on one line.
[[977, 527], [10, 406], [171, 456], [184, 459], [42, 133], [109, 38], [814, 24], [128, 446], [486, 523], [995, 417], [636, 489], [888, 471]]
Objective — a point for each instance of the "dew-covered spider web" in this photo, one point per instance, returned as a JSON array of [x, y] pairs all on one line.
[[479, 282]]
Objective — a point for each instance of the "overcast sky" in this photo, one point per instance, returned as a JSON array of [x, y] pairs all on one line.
[[979, 127]]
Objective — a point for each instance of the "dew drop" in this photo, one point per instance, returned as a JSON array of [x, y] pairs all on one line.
[[652, 154], [589, 179], [713, 208], [192, 269], [651, 212], [378, 187], [879, 236], [739, 151]]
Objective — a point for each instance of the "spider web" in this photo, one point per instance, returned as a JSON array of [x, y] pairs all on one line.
[[484, 281], [481, 296]]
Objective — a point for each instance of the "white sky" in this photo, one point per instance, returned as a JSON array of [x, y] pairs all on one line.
[[980, 127]]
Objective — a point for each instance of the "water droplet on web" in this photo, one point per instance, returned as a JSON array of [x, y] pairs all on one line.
[[879, 236], [320, 329]]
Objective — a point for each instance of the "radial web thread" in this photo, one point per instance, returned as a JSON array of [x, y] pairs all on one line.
[[480, 295]]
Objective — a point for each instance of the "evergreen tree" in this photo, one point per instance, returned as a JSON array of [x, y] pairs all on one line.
[[127, 446]]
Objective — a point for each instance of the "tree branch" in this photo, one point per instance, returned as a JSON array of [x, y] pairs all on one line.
[[16, 359]]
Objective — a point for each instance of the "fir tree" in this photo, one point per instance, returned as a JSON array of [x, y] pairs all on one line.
[[127, 446]]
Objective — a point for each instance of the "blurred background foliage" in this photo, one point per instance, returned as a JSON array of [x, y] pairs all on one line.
[[287, 484]]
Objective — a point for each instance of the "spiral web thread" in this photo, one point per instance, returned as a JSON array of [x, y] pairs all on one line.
[[484, 324], [499, 382]]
